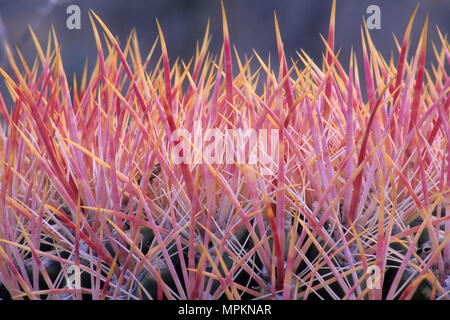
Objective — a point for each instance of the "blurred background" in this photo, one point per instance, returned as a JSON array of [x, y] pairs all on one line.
[[183, 22]]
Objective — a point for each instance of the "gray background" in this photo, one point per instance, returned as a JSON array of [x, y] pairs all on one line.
[[183, 22]]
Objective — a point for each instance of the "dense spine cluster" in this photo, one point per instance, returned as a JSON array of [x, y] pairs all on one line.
[[92, 204]]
